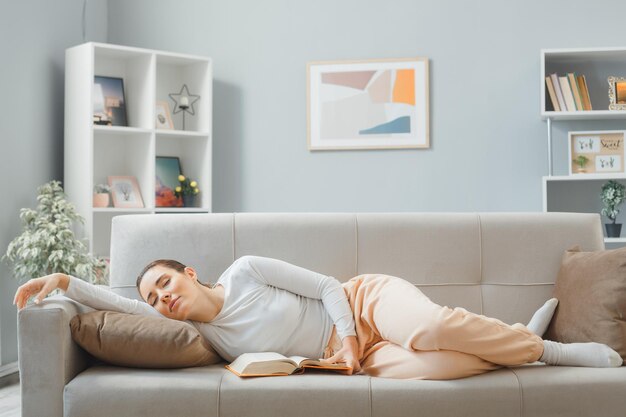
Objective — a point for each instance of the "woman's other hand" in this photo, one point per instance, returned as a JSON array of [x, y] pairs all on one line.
[[348, 354], [40, 287]]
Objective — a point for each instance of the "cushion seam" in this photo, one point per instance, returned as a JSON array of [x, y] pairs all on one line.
[[219, 392], [521, 393], [356, 246], [370, 394], [233, 234], [480, 262]]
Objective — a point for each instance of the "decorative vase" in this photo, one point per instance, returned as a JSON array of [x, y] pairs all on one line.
[[101, 200], [613, 229], [189, 200]]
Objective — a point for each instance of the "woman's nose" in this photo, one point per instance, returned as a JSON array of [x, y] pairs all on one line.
[[165, 297]]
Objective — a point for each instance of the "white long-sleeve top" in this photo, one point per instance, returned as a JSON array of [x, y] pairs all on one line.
[[269, 306]]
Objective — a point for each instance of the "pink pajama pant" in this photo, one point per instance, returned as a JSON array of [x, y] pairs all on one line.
[[402, 334]]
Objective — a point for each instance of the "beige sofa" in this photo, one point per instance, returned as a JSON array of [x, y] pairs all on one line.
[[498, 264]]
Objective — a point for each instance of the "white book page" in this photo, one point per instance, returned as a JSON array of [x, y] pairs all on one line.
[[246, 359], [299, 359]]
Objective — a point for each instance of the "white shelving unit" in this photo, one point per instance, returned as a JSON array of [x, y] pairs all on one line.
[[581, 192], [94, 152]]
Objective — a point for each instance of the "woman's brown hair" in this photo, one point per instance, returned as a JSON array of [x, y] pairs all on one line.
[[167, 263]]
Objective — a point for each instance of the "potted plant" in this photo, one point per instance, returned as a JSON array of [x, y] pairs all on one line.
[[188, 189], [581, 161], [612, 196], [101, 195], [48, 244]]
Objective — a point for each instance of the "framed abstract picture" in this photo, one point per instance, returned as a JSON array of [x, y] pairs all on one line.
[[373, 104]]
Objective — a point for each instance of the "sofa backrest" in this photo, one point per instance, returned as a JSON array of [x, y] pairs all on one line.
[[498, 264]]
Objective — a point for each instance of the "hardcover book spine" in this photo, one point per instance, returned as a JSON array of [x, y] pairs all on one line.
[[574, 86], [567, 94], [584, 92], [552, 93], [557, 90]]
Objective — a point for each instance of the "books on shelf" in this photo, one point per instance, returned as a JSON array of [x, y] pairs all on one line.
[[582, 86], [568, 92], [571, 77], [275, 364], [559, 93], [552, 93]]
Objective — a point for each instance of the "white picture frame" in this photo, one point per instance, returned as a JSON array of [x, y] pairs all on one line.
[[604, 150], [368, 104]]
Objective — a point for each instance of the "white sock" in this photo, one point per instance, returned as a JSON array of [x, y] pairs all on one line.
[[541, 319], [595, 355]]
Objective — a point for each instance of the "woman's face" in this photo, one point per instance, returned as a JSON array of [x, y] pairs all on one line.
[[170, 292]]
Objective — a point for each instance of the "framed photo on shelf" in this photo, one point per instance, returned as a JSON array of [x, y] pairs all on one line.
[[599, 152], [125, 192], [372, 104], [163, 117], [167, 170], [617, 93], [109, 103]]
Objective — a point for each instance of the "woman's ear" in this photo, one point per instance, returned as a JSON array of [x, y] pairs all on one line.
[[191, 273]]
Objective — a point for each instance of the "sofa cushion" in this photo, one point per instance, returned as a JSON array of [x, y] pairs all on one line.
[[106, 391], [549, 391], [591, 289], [141, 341]]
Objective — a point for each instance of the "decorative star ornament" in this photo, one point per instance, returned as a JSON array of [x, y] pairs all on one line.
[[184, 93]]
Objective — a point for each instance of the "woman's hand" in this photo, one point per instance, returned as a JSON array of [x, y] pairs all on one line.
[[40, 287], [348, 353]]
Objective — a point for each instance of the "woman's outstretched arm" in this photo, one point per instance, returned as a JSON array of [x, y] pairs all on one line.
[[81, 291]]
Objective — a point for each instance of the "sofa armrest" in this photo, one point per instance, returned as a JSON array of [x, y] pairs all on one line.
[[48, 358]]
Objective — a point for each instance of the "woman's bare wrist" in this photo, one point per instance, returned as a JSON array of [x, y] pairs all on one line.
[[64, 281]]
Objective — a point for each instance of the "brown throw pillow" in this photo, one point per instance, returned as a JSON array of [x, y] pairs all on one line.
[[591, 289], [141, 341]]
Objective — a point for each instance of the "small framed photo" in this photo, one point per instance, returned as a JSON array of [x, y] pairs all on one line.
[[167, 171], [125, 192], [617, 93], [163, 118], [373, 104], [109, 103], [600, 152]]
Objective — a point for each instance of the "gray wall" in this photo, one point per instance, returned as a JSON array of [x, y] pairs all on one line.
[[33, 37], [488, 143]]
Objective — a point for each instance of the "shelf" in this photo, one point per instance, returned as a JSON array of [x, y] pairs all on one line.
[[121, 210], [94, 152], [164, 132], [116, 130], [580, 193], [181, 210], [568, 55], [585, 177], [584, 115]]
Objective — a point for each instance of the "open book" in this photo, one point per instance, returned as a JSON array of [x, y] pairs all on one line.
[[275, 364]]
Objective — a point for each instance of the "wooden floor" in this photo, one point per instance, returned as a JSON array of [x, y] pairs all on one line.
[[10, 401]]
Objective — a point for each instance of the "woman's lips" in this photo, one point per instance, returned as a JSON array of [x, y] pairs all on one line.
[[173, 303]]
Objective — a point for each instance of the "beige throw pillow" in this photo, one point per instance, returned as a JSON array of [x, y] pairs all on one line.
[[591, 289], [141, 341]]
